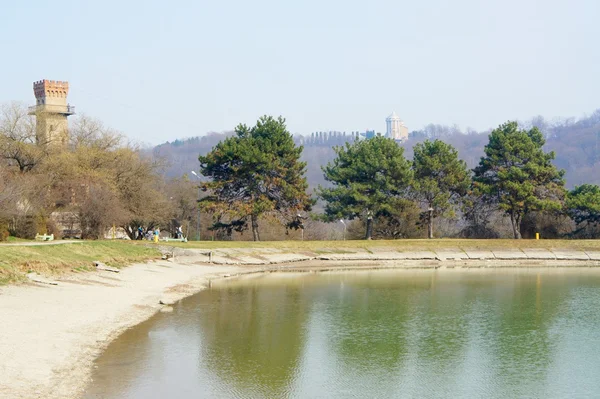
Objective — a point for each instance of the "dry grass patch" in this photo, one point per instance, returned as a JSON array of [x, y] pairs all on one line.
[[397, 245], [17, 261]]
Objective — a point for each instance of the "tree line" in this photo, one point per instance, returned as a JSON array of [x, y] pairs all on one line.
[[96, 181], [258, 173], [255, 179], [575, 141]]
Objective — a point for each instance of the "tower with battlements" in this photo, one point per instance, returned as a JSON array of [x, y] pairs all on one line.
[[51, 111]]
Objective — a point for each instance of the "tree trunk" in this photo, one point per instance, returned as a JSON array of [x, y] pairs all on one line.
[[515, 222], [131, 232], [430, 224], [255, 234], [369, 228]]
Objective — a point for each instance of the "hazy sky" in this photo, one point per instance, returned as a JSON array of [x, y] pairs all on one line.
[[159, 70]]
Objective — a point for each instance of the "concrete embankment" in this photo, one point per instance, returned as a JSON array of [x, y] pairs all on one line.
[[425, 258]]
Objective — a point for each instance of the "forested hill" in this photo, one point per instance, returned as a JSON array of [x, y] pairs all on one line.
[[575, 141]]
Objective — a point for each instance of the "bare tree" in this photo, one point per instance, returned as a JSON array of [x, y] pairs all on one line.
[[18, 137], [100, 210], [90, 132]]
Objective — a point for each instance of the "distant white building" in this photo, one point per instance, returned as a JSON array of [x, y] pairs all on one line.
[[395, 128]]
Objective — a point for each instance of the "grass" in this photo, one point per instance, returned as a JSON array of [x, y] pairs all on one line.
[[399, 245], [17, 261], [12, 239]]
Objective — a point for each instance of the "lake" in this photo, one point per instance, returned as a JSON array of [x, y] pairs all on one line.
[[504, 333]]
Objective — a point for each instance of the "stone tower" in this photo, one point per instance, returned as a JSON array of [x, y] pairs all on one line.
[[51, 111]]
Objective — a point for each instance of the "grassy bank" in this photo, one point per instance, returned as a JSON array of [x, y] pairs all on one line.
[[399, 245], [17, 261]]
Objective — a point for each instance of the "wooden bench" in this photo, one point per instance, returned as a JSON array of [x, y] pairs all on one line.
[[167, 239], [44, 237]]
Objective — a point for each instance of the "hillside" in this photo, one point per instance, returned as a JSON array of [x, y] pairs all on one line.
[[575, 141]]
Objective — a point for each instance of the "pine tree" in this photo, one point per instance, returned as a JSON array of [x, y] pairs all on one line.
[[440, 178], [369, 178], [583, 206], [257, 171], [518, 175]]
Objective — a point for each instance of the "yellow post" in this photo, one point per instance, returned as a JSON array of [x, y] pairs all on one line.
[[156, 238], [537, 236], [114, 231]]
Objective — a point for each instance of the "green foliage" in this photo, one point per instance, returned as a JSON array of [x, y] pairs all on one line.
[[369, 178], [518, 175], [583, 206], [440, 178], [402, 222], [257, 171]]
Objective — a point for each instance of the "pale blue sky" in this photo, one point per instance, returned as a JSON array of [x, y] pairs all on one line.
[[159, 70]]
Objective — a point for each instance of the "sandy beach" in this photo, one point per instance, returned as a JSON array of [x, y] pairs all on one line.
[[51, 334]]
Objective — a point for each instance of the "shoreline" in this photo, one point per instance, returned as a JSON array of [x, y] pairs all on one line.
[[53, 334]]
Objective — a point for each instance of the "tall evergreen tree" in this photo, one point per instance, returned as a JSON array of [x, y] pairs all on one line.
[[257, 171], [518, 175], [370, 178], [440, 178], [583, 206]]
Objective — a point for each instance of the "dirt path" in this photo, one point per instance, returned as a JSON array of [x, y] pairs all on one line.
[[39, 243]]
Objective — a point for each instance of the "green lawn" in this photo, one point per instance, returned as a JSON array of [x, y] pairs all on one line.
[[16, 261], [13, 240]]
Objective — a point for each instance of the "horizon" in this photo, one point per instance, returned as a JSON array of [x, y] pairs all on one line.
[[553, 122], [159, 74]]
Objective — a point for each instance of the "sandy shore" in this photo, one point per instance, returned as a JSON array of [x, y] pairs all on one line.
[[51, 334]]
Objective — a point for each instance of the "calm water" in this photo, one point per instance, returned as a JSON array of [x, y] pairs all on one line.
[[434, 334]]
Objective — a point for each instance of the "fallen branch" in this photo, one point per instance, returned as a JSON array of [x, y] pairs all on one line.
[[39, 279], [102, 266]]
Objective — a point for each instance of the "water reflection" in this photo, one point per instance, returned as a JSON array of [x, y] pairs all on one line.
[[255, 338], [507, 333]]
